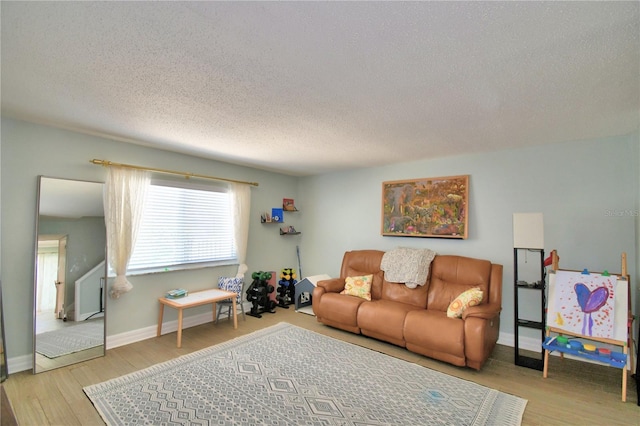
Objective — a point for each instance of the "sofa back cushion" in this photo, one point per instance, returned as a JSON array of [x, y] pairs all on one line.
[[364, 262], [398, 292], [452, 275], [367, 262]]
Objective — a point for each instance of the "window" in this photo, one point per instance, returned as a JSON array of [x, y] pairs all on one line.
[[184, 225]]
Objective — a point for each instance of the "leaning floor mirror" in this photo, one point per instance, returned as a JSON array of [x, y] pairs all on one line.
[[70, 273]]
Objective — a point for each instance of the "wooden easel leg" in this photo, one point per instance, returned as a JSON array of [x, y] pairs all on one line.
[[545, 368], [624, 378]]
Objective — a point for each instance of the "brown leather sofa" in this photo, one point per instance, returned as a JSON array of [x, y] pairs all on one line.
[[417, 318]]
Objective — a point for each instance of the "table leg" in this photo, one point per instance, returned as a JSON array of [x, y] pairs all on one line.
[[235, 312], [179, 327], [214, 313], [160, 314]]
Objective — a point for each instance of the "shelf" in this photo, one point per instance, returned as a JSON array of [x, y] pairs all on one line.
[[551, 345], [288, 206], [530, 324]]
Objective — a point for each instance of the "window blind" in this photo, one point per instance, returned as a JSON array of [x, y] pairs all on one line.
[[183, 227]]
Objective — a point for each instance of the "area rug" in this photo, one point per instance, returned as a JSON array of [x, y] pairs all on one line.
[[68, 340], [286, 375]]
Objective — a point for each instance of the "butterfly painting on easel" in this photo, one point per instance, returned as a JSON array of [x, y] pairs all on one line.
[[584, 303]]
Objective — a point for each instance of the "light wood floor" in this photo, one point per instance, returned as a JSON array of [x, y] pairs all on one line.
[[575, 392]]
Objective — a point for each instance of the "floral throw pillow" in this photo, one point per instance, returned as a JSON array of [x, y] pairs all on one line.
[[358, 286], [232, 284], [471, 297]]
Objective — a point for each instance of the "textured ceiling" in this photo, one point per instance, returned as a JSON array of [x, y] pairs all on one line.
[[314, 87]]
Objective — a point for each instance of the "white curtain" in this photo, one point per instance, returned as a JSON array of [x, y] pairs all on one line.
[[241, 205], [124, 194]]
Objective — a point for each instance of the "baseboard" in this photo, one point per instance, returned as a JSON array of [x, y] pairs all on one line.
[[19, 363], [133, 336], [25, 362]]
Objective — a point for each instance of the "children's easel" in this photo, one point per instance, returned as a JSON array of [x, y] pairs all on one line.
[[622, 338]]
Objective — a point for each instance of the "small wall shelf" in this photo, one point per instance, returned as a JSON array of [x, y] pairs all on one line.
[[267, 218], [289, 230]]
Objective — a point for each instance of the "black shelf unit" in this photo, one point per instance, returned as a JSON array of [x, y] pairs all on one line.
[[520, 288]]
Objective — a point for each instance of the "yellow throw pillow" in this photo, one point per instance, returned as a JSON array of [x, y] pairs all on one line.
[[358, 286], [471, 297]]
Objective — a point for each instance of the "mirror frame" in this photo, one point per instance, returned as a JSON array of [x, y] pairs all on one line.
[[4, 369], [78, 356]]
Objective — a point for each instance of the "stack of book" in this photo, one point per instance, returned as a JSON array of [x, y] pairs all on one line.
[[176, 294]]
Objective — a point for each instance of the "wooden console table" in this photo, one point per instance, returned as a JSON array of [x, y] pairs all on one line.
[[194, 299]]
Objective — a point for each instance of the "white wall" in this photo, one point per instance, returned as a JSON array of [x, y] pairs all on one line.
[[29, 150], [577, 186]]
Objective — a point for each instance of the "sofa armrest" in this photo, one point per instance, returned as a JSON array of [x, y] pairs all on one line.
[[486, 311], [333, 285]]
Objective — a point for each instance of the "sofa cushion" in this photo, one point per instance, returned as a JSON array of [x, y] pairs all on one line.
[[471, 297], [364, 262], [358, 286], [384, 320], [336, 308], [399, 292], [452, 275], [436, 335]]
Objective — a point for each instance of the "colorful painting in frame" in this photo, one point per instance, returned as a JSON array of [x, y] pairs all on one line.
[[429, 207]]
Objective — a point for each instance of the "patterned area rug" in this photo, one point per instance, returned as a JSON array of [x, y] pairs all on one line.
[[68, 340], [286, 375]]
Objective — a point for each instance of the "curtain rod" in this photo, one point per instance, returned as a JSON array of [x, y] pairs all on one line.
[[171, 172]]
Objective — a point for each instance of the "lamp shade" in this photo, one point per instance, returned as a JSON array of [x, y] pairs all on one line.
[[528, 230]]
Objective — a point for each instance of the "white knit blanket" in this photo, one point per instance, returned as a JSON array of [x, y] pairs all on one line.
[[407, 265]]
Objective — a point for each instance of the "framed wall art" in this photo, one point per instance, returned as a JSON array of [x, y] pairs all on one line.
[[428, 207]]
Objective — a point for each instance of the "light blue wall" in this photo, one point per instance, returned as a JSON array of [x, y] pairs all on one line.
[[29, 150], [578, 186], [574, 184]]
